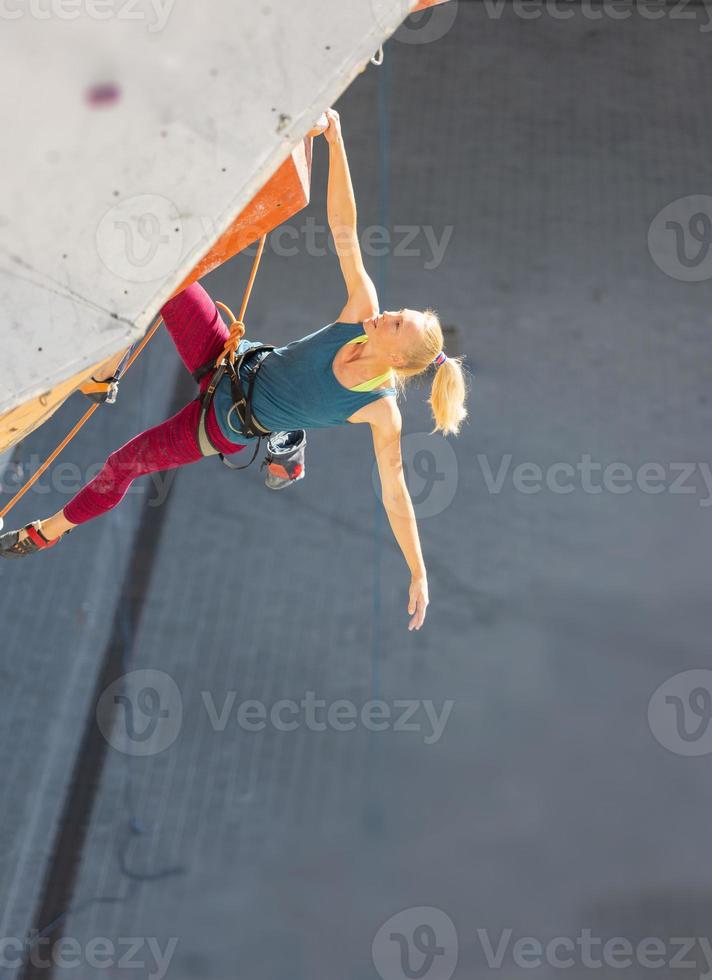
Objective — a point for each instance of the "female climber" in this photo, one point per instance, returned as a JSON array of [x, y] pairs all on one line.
[[349, 371]]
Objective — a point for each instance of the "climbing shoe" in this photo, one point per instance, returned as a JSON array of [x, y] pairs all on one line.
[[12, 547]]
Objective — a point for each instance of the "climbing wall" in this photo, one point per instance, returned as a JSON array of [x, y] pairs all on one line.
[[140, 138]]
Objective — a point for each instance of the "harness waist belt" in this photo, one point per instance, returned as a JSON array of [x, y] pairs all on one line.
[[242, 402]]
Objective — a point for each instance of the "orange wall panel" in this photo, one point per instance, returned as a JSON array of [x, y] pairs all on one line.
[[286, 193]]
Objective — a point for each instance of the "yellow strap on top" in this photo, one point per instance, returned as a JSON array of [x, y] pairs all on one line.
[[374, 382]]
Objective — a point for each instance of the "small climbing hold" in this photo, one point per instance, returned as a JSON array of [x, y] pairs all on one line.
[[103, 94]]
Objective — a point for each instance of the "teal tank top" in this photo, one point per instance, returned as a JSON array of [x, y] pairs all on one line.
[[296, 387]]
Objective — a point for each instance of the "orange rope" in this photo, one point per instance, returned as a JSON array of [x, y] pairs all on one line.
[[237, 330], [237, 326]]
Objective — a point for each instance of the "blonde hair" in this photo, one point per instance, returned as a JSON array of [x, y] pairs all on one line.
[[449, 388]]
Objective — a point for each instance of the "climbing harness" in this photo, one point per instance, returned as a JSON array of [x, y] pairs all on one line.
[[241, 400], [285, 450]]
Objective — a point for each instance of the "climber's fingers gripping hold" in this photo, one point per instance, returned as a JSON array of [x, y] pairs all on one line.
[[319, 126], [333, 131]]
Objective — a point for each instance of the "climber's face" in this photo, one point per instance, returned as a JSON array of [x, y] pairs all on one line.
[[395, 332]]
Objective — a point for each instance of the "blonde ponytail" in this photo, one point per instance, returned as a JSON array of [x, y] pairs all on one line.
[[449, 390], [447, 397]]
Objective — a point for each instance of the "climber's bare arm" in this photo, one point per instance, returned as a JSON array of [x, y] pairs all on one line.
[[385, 422], [362, 300]]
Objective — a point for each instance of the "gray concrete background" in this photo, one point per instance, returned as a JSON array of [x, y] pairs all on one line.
[[547, 806]]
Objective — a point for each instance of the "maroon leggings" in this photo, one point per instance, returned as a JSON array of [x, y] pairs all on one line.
[[197, 330]]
